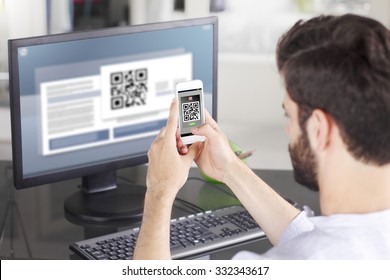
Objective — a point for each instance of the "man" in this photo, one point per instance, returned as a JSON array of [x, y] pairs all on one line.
[[337, 102]]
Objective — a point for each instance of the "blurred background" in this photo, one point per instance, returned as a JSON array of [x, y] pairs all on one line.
[[249, 87]]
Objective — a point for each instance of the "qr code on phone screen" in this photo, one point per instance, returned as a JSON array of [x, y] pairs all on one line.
[[191, 111], [129, 88]]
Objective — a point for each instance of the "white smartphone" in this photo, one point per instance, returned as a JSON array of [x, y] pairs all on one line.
[[191, 109]]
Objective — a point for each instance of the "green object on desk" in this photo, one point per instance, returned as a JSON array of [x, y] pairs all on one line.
[[237, 150]]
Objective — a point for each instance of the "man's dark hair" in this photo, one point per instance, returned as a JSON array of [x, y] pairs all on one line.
[[341, 65]]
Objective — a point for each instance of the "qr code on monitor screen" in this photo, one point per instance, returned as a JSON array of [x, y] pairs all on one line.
[[129, 88], [191, 111]]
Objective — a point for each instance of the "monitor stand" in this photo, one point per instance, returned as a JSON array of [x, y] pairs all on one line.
[[101, 201]]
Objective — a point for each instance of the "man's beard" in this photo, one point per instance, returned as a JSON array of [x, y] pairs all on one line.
[[304, 162]]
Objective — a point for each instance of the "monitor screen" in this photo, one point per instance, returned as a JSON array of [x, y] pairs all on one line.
[[93, 101]]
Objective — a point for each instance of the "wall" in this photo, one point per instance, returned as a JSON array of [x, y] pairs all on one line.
[[20, 18]]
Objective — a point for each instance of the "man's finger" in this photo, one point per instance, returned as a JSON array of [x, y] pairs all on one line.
[[162, 132], [205, 130], [211, 121], [193, 151], [172, 119]]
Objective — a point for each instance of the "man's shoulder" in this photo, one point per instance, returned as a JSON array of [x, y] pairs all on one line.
[[342, 236]]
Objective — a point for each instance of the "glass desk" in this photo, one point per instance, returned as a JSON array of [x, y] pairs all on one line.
[[33, 225]]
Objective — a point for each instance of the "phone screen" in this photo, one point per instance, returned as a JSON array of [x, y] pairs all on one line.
[[191, 114]]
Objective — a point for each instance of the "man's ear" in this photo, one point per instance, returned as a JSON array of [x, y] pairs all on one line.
[[319, 129]]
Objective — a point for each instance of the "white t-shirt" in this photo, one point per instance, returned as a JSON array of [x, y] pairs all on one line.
[[340, 236]]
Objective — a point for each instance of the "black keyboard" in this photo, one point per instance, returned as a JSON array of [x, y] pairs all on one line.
[[190, 236]]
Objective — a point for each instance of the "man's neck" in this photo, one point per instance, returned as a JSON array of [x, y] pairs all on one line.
[[350, 186]]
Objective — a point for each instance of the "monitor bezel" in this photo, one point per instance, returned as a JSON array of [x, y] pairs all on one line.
[[20, 180]]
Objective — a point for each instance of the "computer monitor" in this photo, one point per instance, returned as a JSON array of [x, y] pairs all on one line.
[[89, 103]]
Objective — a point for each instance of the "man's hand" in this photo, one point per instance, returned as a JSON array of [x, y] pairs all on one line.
[[214, 156], [168, 169]]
